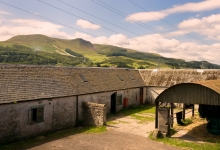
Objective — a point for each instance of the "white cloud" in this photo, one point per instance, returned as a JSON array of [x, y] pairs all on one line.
[[208, 26], [188, 7], [146, 16], [29, 26], [87, 25], [156, 43], [119, 39], [4, 13]]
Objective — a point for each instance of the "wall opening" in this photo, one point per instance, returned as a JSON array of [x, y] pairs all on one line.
[[141, 96], [113, 102]]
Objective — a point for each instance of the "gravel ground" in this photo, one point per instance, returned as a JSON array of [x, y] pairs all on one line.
[[109, 140], [123, 133]]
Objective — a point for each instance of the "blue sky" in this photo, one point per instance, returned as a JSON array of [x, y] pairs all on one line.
[[180, 29]]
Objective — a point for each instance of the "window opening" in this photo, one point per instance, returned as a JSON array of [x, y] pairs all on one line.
[[120, 78], [83, 78], [131, 77], [119, 100], [36, 115]]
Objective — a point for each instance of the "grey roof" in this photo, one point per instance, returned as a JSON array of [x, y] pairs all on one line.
[[28, 82], [169, 77]]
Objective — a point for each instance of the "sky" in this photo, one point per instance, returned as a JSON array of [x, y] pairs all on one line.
[[185, 29]]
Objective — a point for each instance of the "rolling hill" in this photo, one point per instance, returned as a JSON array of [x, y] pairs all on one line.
[[41, 49]]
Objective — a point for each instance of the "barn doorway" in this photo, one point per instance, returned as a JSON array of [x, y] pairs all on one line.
[[113, 102], [204, 93], [141, 96]]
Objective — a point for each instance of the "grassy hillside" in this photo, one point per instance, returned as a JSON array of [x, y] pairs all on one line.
[[80, 52]]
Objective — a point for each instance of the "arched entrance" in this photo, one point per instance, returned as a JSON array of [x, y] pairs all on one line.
[[204, 93]]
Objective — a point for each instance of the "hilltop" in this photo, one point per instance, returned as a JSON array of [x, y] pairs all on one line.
[[41, 49]]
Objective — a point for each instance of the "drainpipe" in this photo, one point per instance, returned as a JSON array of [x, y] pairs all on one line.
[[77, 121], [156, 115]]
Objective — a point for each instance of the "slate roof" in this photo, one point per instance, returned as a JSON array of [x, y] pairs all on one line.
[[169, 77], [28, 82]]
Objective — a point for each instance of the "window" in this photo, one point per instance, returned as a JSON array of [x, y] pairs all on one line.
[[131, 77], [83, 78], [119, 100], [36, 115], [120, 78]]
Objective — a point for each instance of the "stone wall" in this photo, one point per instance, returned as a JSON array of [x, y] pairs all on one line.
[[94, 114], [133, 96], [152, 93], [58, 113], [100, 98]]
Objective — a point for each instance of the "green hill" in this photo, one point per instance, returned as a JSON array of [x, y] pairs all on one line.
[[41, 49]]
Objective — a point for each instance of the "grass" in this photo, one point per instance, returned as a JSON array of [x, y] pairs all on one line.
[[146, 108], [31, 142], [186, 121], [95, 129], [137, 111], [188, 145], [142, 119], [111, 122]]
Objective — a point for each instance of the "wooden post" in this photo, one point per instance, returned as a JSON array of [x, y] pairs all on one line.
[[184, 110], [172, 106], [193, 109], [156, 115]]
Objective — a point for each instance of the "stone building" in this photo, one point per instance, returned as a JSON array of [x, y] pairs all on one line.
[[38, 99]]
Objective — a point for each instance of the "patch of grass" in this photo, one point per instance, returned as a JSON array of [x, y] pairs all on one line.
[[94, 129], [123, 121], [50, 136], [172, 131], [146, 108], [186, 121], [188, 145], [111, 122], [142, 119]]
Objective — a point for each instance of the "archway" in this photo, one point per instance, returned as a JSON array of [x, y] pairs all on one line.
[[204, 93]]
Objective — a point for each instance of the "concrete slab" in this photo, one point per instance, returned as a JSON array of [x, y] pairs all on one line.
[[183, 134]]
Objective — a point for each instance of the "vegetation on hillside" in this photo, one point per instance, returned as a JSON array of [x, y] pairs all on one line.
[[73, 53], [40, 49], [25, 55]]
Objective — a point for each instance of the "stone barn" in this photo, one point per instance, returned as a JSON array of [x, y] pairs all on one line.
[[38, 99]]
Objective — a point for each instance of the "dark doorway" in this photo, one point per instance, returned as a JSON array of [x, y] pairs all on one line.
[[141, 96], [113, 103]]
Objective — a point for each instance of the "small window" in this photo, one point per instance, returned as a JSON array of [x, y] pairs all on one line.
[[131, 77], [36, 115], [119, 100], [83, 78], [120, 78]]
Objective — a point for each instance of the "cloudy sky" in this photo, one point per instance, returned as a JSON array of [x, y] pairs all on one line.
[[187, 29]]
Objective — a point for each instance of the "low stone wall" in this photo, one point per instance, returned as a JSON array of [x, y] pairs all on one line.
[[94, 114]]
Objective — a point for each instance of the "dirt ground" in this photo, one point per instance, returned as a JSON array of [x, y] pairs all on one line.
[[109, 140], [126, 132], [123, 132], [197, 130]]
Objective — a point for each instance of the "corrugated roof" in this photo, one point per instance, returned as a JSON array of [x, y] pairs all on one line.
[[212, 84], [203, 92], [27, 82]]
